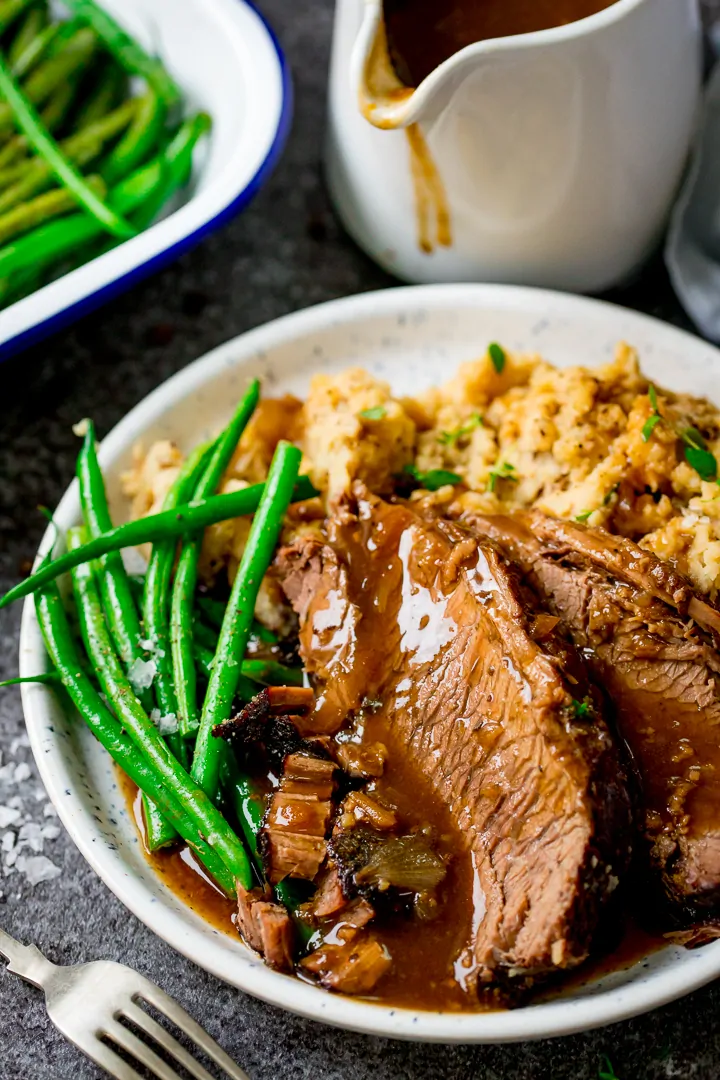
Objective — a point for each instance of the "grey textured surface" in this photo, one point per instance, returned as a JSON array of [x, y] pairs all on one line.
[[285, 253]]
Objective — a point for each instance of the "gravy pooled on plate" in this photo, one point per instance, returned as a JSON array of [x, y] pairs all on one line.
[[423, 33]]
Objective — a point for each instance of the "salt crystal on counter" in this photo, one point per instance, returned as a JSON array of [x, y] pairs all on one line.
[[9, 815], [8, 841], [22, 772], [49, 810], [21, 741], [37, 868], [30, 835]]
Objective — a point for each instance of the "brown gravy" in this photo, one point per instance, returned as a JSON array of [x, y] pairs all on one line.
[[432, 948], [423, 33]]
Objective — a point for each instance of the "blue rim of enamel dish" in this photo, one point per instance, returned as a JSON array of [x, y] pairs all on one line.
[[86, 304]]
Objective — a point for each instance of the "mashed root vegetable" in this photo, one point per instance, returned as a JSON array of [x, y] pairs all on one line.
[[569, 441]]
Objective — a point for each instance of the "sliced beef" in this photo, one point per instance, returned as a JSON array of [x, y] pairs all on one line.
[[431, 629], [651, 643]]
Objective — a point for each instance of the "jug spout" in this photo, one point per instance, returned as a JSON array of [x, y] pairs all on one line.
[[383, 99]]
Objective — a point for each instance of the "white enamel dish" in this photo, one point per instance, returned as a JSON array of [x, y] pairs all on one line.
[[228, 62], [413, 337]]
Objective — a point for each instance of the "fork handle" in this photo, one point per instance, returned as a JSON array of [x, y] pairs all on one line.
[[25, 960]]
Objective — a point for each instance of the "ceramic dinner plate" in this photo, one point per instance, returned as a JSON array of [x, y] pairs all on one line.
[[414, 338]]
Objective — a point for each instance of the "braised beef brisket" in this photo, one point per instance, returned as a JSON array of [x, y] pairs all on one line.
[[432, 628], [651, 643]]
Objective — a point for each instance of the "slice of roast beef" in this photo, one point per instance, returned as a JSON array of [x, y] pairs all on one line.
[[650, 641], [431, 630]]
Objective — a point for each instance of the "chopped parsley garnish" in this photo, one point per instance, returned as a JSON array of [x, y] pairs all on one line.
[[449, 438], [649, 426], [434, 478], [703, 462], [606, 1070], [697, 454], [378, 412], [695, 448], [583, 709], [497, 355], [655, 417], [502, 472], [606, 502]]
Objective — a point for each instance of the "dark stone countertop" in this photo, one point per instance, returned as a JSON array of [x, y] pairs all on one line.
[[286, 252]]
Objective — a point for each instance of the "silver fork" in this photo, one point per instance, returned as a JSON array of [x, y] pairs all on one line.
[[86, 1001]]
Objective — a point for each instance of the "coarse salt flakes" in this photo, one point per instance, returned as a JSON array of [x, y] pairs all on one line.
[[141, 674], [168, 724], [49, 810], [37, 868], [30, 835], [22, 772], [8, 841], [81, 428], [9, 815]]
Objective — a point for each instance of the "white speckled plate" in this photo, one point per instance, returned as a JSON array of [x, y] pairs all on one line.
[[413, 337]]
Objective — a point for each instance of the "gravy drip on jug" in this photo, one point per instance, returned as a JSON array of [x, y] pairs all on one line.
[[434, 225], [424, 33]]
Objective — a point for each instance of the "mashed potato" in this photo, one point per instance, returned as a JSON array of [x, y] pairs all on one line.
[[568, 441]]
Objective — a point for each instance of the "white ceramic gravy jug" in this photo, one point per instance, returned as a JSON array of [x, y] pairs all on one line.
[[548, 158]]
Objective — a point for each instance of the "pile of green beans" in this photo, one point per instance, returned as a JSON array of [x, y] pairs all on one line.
[[195, 646], [83, 164]]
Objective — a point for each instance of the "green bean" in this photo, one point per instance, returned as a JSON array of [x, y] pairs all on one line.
[[118, 600], [264, 672], [58, 239], [35, 51], [14, 149], [32, 25], [55, 112], [261, 542], [204, 658], [128, 53], [67, 33], [186, 573], [64, 655], [215, 612], [10, 10], [42, 208], [48, 678], [140, 139], [62, 167], [206, 636], [186, 518], [176, 176], [105, 95]]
